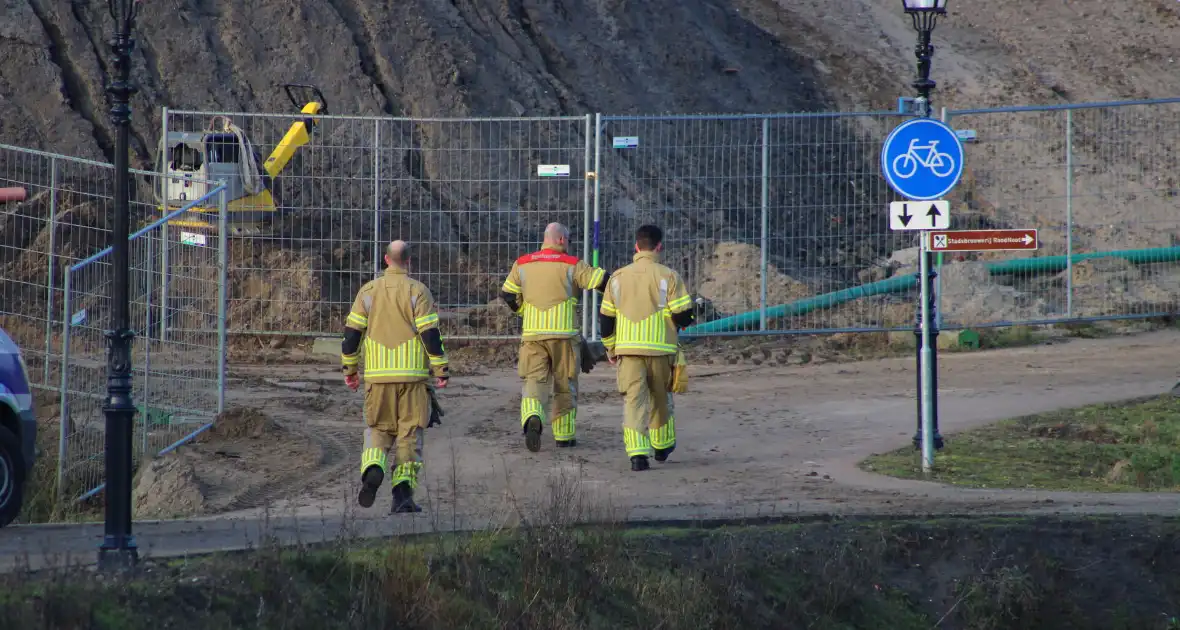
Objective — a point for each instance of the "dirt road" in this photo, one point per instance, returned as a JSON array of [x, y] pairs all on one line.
[[754, 441]]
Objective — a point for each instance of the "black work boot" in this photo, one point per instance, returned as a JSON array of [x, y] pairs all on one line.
[[663, 453], [639, 462], [403, 500], [370, 482], [567, 443], [532, 433]]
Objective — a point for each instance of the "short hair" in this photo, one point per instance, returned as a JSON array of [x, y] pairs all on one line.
[[648, 237], [399, 258]]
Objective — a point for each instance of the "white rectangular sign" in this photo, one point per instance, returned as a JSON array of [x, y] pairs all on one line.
[[626, 142], [79, 318], [920, 215], [192, 238], [553, 170]]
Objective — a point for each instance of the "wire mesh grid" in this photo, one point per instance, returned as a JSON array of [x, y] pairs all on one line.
[[178, 383], [758, 212], [471, 195], [1091, 180], [64, 218]]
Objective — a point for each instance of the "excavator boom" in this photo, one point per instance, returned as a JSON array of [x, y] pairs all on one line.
[[299, 133]]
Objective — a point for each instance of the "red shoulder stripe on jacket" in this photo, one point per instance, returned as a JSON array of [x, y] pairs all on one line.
[[547, 255]]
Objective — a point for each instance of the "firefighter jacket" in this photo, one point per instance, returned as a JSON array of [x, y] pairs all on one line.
[[543, 289], [397, 317], [642, 307]]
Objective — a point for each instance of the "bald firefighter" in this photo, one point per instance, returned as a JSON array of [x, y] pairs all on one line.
[[644, 305], [397, 319], [543, 288]]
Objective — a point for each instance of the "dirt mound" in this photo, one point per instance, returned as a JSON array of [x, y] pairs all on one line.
[[1102, 285], [733, 280], [168, 487], [243, 422]]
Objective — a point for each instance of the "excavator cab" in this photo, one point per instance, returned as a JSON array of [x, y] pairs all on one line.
[[223, 152]]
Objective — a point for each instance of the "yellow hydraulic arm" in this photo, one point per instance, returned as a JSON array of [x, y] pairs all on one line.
[[300, 132]]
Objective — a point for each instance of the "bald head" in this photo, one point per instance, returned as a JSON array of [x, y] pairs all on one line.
[[397, 254], [557, 234]]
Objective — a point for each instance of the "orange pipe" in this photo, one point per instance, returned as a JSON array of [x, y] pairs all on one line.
[[12, 194]]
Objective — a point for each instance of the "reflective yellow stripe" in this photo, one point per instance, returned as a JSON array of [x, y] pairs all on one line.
[[679, 302], [596, 277], [608, 308], [438, 361], [407, 472], [358, 320], [350, 359], [510, 287], [425, 321], [373, 457], [408, 359], [564, 425], [530, 407], [648, 334], [636, 443], [665, 436], [557, 320], [609, 342]]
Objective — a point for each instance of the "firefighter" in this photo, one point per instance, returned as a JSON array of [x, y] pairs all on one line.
[[643, 306], [543, 287], [403, 348]]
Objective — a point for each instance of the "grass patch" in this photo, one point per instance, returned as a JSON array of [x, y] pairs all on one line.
[[1122, 447], [953, 573]]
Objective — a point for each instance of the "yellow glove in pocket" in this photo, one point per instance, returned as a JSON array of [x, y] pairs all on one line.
[[679, 374]]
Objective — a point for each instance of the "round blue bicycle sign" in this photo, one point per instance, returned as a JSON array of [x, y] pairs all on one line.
[[922, 159]]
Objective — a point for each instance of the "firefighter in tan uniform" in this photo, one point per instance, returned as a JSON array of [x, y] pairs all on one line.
[[403, 348], [643, 306], [543, 288]]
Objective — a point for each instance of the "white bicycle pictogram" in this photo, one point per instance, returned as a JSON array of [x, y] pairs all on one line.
[[905, 165]]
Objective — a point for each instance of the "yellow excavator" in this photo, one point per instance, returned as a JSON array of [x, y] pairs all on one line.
[[223, 152]]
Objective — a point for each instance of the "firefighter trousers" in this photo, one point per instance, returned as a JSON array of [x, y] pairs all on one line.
[[549, 369], [396, 415], [648, 421]]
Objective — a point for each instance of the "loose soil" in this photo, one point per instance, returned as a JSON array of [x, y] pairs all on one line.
[[1130, 446], [1011, 574]]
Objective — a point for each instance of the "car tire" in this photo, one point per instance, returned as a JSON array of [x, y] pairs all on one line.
[[12, 477]]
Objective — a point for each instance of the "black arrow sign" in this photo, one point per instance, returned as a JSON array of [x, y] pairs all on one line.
[[933, 212], [905, 214]]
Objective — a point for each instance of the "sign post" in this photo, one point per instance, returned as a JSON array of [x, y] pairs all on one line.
[[922, 159]]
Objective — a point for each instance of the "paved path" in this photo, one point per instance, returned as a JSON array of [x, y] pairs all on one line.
[[755, 442]]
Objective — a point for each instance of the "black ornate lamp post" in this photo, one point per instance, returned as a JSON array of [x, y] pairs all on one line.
[[924, 14], [118, 550]]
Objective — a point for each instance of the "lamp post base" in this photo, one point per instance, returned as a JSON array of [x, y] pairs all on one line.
[[117, 553]]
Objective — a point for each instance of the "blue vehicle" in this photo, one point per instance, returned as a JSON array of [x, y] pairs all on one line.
[[18, 429]]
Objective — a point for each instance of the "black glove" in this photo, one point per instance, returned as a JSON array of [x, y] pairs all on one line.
[[436, 412], [592, 353]]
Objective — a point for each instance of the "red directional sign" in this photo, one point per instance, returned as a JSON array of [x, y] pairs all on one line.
[[982, 240]]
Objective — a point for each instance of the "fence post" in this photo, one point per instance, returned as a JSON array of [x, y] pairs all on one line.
[[222, 292], [597, 190], [587, 307], [164, 249], [1069, 213], [765, 219], [52, 265], [146, 399], [63, 404], [376, 198]]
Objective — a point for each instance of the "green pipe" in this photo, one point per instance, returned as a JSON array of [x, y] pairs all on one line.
[[897, 284], [1048, 264]]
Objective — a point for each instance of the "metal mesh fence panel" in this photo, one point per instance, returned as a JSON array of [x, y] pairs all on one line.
[[1098, 183], [763, 216], [471, 195], [65, 218], [178, 383]]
